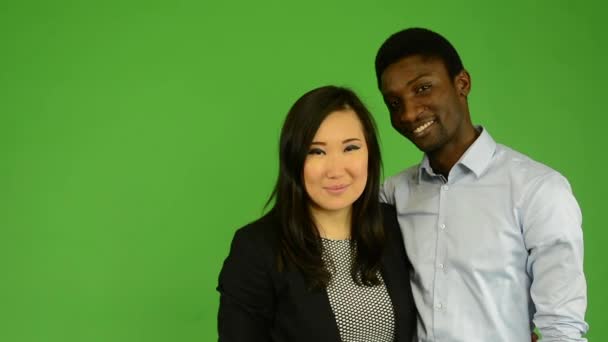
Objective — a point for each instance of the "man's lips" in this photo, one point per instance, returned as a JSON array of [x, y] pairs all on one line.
[[422, 128]]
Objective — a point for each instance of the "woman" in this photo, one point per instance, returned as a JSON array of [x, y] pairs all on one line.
[[327, 262]]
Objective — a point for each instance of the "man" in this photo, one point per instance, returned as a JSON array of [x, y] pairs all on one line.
[[494, 237]]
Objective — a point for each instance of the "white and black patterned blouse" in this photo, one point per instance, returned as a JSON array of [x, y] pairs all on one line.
[[363, 313]]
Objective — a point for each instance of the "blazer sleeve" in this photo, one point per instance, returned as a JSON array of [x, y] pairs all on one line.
[[246, 291]]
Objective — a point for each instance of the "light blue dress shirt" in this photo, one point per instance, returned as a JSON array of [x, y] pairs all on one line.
[[496, 249]]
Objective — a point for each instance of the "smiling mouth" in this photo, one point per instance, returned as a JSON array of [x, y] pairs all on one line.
[[337, 188], [421, 129]]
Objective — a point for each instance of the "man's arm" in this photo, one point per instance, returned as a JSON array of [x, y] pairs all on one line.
[[551, 222]]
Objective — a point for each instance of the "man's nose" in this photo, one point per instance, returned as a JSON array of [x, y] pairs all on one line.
[[410, 113]]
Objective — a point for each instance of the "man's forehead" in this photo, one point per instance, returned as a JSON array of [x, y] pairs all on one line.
[[410, 68], [416, 64]]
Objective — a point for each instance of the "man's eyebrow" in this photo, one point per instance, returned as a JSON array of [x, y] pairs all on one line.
[[417, 78], [408, 83]]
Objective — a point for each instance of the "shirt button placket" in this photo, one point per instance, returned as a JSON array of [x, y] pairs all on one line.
[[440, 257]]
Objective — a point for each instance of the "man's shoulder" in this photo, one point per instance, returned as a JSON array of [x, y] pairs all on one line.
[[398, 184], [522, 167], [404, 176]]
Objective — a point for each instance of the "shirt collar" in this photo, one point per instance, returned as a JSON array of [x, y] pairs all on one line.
[[476, 158]]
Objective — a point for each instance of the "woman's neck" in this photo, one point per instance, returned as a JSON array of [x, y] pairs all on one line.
[[333, 225]]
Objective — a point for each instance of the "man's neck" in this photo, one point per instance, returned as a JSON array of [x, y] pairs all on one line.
[[445, 158]]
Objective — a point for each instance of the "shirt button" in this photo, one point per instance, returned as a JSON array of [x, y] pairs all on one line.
[[442, 226], [445, 188], [438, 306], [440, 265]]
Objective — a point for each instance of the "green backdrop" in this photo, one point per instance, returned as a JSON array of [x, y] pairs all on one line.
[[137, 136]]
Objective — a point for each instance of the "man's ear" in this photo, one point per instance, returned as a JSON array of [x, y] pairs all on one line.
[[463, 83]]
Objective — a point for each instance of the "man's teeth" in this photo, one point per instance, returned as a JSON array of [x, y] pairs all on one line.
[[423, 127]]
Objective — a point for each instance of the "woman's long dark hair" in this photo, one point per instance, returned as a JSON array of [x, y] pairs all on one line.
[[300, 242]]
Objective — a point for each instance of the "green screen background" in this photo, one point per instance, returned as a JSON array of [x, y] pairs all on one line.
[[137, 136]]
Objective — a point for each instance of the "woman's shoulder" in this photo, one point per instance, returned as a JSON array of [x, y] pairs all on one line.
[[388, 209], [389, 217], [259, 234], [252, 251], [392, 230]]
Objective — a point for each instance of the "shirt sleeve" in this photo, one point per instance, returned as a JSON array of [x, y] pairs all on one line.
[[554, 240], [246, 293], [387, 192]]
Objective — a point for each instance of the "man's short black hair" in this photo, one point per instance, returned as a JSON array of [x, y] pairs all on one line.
[[417, 41]]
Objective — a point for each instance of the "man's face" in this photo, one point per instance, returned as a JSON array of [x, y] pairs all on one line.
[[426, 105]]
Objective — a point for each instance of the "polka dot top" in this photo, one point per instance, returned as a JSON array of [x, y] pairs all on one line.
[[363, 313]]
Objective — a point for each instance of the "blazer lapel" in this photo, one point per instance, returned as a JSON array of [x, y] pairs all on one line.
[[313, 309], [326, 320]]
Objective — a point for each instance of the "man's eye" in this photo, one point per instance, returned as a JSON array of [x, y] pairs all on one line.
[[352, 148], [316, 151], [393, 104], [423, 88]]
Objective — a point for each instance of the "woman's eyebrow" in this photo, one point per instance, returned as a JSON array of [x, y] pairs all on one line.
[[322, 143]]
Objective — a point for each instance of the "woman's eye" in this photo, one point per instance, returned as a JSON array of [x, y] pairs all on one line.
[[423, 88], [352, 148], [316, 151]]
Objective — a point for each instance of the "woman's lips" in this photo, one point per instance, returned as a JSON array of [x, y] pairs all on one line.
[[336, 189]]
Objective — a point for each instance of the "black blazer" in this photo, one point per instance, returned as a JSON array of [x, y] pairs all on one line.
[[258, 303]]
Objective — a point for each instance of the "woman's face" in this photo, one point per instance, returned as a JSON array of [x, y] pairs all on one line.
[[335, 169]]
